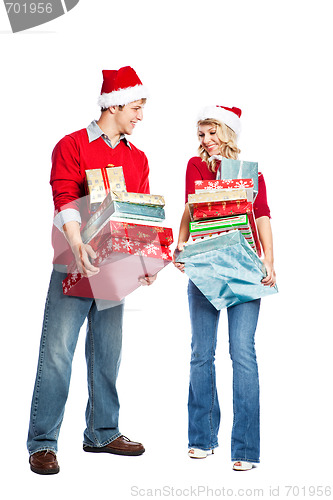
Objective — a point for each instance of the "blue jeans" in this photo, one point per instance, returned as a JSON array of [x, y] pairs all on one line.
[[63, 318], [203, 404]]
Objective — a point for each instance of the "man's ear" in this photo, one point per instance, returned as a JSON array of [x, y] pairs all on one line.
[[113, 109]]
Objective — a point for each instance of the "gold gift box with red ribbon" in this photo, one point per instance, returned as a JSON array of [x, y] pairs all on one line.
[[103, 180]]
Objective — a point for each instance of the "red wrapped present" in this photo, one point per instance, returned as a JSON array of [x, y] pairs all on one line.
[[132, 230], [140, 232], [220, 209], [122, 262]]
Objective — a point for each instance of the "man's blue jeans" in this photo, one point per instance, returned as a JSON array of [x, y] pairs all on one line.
[[203, 404], [63, 318]]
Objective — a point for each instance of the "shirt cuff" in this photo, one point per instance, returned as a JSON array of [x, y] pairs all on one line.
[[66, 215]]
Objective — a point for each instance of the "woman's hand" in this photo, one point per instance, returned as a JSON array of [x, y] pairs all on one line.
[[184, 235], [178, 265], [266, 240], [270, 279]]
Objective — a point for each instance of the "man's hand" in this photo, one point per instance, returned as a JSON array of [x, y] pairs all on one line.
[[82, 253], [147, 280]]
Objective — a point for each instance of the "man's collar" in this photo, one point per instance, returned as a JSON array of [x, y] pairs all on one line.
[[94, 132]]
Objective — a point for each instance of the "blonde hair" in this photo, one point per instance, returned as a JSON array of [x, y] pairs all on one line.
[[228, 147]]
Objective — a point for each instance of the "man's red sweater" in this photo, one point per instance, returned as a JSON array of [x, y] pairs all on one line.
[[71, 157]]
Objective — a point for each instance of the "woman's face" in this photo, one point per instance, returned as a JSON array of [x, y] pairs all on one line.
[[208, 139]]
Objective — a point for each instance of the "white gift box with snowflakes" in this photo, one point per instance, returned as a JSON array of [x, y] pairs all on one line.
[[202, 186]]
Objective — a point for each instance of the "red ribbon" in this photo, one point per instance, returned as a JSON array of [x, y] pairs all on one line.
[[105, 180]]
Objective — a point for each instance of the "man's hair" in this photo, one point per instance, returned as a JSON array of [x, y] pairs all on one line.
[[121, 107]]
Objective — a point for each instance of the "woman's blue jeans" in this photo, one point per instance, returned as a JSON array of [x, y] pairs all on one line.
[[63, 318], [203, 404]]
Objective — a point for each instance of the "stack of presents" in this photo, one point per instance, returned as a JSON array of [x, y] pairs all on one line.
[[222, 257], [127, 234]]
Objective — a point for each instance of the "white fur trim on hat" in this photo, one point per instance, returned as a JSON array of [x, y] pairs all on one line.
[[222, 115], [122, 97]]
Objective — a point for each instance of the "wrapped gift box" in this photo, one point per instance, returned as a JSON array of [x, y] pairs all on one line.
[[132, 231], [244, 221], [221, 195], [215, 209], [204, 229], [216, 185], [122, 262], [140, 232], [101, 180], [137, 211], [225, 269], [139, 198], [238, 169], [226, 223]]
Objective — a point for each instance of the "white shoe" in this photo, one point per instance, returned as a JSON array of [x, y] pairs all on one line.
[[198, 453], [242, 465]]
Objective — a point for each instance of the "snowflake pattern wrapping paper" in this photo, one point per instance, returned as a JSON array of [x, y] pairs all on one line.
[[122, 261], [134, 231]]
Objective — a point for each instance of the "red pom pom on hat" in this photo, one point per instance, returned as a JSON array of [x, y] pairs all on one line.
[[120, 87], [229, 116]]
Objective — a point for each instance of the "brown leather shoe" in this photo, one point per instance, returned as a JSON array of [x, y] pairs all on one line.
[[44, 462], [120, 446]]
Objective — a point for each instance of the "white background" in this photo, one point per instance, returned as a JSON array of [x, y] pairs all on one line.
[[270, 59]]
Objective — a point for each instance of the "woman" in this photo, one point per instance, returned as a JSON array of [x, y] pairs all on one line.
[[218, 128]]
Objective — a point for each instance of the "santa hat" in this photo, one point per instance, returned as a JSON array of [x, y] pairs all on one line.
[[120, 87], [229, 116]]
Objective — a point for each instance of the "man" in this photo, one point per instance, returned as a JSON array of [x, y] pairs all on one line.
[[101, 143]]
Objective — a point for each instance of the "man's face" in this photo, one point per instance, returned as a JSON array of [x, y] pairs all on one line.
[[128, 117]]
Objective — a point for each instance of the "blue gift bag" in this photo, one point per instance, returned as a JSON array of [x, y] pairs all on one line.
[[225, 269], [238, 169]]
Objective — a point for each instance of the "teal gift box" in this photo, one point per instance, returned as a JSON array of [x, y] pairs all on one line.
[[112, 209], [225, 269], [135, 210], [239, 169]]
